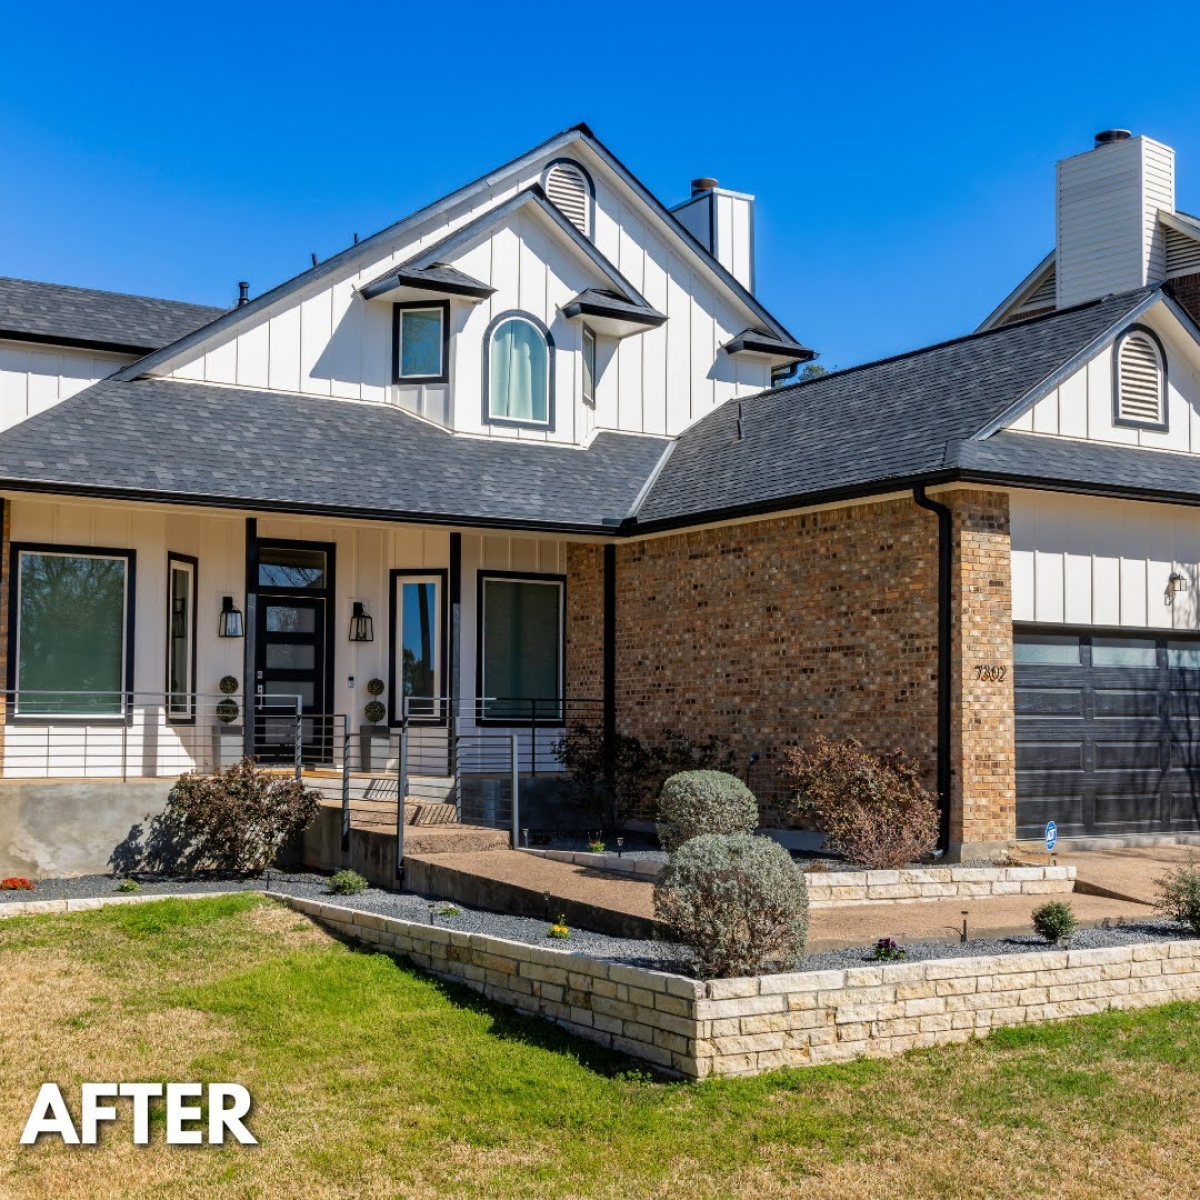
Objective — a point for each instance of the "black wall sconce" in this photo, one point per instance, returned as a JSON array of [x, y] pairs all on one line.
[[231, 619], [362, 628], [1176, 584]]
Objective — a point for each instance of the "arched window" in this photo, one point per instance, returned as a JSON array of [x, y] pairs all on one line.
[[518, 371], [1141, 379]]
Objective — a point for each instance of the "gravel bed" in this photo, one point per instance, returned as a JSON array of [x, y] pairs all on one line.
[[411, 906], [639, 848]]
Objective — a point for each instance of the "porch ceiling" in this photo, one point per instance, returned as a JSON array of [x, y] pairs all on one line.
[[199, 444]]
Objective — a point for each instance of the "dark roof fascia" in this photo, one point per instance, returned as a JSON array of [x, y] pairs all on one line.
[[1038, 483], [752, 341], [47, 339], [647, 316], [460, 237], [190, 500], [693, 243], [801, 500], [1067, 369], [337, 261], [464, 286]]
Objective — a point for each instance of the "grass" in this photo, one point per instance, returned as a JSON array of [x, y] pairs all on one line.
[[371, 1079]]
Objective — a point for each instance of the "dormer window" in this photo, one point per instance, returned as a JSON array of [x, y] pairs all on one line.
[[421, 342], [569, 188], [1140, 380], [518, 372]]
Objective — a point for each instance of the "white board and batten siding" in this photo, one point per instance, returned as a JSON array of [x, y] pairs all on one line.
[[1080, 560], [328, 341], [1109, 238], [1082, 406], [34, 378]]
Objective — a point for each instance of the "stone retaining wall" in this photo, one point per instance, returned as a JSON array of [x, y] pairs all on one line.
[[744, 1026], [834, 889]]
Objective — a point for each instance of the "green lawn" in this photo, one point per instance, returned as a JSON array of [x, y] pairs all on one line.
[[371, 1079]]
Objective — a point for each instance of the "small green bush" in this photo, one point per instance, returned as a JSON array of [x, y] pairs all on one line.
[[376, 687], [1055, 921], [347, 883], [374, 711], [737, 901], [129, 885], [1179, 896], [694, 803], [229, 684]]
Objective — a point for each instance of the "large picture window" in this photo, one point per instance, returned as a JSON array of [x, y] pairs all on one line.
[[417, 644], [519, 372], [181, 637], [72, 630], [521, 647]]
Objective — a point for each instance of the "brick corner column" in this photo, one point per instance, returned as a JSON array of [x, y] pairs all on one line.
[[982, 742]]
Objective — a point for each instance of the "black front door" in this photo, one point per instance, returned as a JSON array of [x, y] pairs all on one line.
[[290, 653]]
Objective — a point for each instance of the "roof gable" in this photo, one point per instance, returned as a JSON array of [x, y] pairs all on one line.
[[365, 254]]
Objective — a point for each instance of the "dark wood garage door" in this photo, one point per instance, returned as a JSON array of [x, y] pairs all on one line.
[[1108, 734]]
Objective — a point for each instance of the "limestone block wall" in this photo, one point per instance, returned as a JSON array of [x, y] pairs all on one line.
[[833, 889]]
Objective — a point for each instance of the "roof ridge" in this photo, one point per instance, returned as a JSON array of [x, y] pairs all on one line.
[[977, 335]]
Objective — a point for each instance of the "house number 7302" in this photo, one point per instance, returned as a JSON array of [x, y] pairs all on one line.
[[987, 673]]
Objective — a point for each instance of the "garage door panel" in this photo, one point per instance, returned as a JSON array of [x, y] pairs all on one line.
[[1066, 810], [1060, 702], [1108, 733]]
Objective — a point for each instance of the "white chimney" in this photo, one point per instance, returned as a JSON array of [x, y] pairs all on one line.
[[1108, 235], [723, 223]]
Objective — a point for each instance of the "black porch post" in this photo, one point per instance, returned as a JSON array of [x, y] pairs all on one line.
[[251, 635]]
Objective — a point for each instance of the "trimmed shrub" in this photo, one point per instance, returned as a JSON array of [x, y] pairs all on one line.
[[737, 901], [347, 883], [1054, 921], [239, 820], [1179, 896], [693, 803], [871, 807], [374, 711], [129, 885]]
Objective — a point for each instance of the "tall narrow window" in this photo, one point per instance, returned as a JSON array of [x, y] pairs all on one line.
[[1141, 380], [181, 637], [518, 373], [521, 647], [589, 366], [421, 331], [417, 644], [72, 631]]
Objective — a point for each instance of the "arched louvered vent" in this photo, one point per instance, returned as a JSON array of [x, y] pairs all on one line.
[[569, 189], [1140, 380]]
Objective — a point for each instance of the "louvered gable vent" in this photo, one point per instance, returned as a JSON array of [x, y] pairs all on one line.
[[569, 190], [1140, 380], [1183, 253]]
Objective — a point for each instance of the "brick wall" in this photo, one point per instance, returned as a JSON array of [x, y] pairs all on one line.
[[983, 755], [770, 632], [1186, 290]]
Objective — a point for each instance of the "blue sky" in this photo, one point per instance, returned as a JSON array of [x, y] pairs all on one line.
[[902, 155]]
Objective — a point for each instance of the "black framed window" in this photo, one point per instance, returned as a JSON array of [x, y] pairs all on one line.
[[589, 366], [418, 641], [71, 630], [181, 637], [518, 372], [521, 646], [421, 342], [286, 567]]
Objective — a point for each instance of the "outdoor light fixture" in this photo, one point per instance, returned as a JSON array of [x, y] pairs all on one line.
[[362, 628], [231, 619], [1177, 583], [179, 617]]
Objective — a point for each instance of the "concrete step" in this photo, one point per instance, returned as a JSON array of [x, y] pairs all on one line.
[[452, 839]]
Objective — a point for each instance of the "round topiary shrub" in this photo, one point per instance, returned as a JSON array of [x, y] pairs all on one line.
[[229, 684], [376, 687], [737, 901], [227, 710], [698, 802], [1055, 921], [374, 711]]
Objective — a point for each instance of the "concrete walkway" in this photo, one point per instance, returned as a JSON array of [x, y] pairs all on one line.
[[1127, 873], [507, 880]]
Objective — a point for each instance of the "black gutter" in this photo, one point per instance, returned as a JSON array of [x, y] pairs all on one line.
[[76, 343], [945, 595]]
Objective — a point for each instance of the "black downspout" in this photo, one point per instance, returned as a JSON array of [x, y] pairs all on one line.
[[944, 661]]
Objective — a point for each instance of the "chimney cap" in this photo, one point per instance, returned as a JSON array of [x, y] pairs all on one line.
[[1106, 137], [704, 183]]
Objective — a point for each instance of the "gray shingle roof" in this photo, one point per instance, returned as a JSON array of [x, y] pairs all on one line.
[[202, 444], [889, 420], [1094, 466], [52, 312]]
